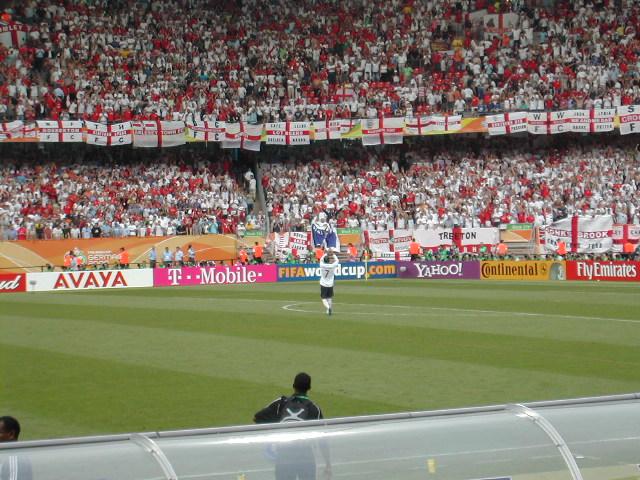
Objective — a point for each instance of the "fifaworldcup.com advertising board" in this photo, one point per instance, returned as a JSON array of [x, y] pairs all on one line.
[[346, 271]]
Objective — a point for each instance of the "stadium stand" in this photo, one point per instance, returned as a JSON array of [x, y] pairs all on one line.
[[180, 191], [260, 61], [470, 185]]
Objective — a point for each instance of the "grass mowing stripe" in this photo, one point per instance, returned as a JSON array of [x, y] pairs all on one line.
[[129, 399], [414, 383], [229, 334], [567, 357]]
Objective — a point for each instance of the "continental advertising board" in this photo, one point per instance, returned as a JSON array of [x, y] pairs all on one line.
[[522, 270], [346, 271], [605, 271], [439, 270], [218, 275]]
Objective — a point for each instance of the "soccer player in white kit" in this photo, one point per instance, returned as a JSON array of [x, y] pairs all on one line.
[[328, 265]]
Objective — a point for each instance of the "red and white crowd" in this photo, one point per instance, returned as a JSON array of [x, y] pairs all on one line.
[[259, 61], [177, 193], [485, 184]]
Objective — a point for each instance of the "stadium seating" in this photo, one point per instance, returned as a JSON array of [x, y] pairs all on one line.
[[296, 60], [465, 186], [181, 192]]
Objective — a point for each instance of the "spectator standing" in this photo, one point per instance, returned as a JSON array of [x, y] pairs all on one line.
[[167, 258], [179, 257], [153, 257]]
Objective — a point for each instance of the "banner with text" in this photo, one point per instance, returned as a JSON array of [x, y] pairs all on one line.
[[218, 275], [439, 270], [606, 271], [89, 280], [13, 282], [623, 234], [346, 271], [465, 239], [522, 270], [580, 234]]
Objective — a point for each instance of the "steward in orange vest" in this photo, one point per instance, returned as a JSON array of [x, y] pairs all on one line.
[[562, 248], [257, 253], [414, 250]]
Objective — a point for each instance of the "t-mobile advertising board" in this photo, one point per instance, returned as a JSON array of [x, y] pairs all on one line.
[[13, 282], [346, 271], [439, 270], [218, 275], [89, 280], [606, 271]]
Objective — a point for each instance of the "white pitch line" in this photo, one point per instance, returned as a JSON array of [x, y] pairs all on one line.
[[290, 308]]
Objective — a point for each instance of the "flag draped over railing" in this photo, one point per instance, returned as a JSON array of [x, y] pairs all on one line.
[[371, 131]]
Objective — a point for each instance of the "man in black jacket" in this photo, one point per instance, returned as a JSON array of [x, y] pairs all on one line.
[[295, 460]]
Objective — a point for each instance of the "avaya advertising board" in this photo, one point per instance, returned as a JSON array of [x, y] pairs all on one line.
[[89, 280]]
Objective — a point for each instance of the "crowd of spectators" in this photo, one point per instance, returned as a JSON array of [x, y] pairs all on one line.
[[259, 61], [455, 183], [93, 195]]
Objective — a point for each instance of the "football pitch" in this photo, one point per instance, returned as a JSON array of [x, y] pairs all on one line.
[[157, 359]]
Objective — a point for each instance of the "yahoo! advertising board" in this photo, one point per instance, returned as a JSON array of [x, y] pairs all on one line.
[[439, 270]]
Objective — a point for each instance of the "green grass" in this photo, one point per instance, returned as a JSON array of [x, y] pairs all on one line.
[[154, 359]]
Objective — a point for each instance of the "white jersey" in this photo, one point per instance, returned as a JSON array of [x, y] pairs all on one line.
[[328, 271]]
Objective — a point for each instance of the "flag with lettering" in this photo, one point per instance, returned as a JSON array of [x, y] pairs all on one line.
[[13, 34], [326, 130], [59, 130], [581, 234], [560, 122], [207, 131], [109, 135], [507, 123], [382, 131], [447, 123], [158, 133], [538, 123], [592, 121], [629, 119], [623, 234], [288, 133]]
